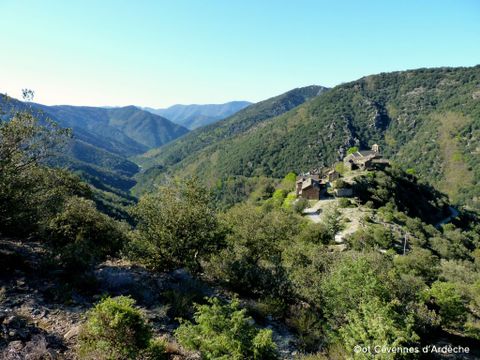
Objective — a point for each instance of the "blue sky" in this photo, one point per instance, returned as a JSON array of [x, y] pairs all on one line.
[[158, 53]]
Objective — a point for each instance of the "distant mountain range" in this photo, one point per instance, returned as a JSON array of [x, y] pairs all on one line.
[[134, 130], [194, 116]]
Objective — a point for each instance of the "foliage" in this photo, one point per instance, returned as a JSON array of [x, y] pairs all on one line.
[[289, 181], [352, 280], [234, 189], [376, 324], [83, 235], [308, 325], [116, 329], [299, 205], [449, 300], [331, 221], [225, 332], [251, 261], [420, 263], [177, 226], [24, 145], [352, 150], [404, 193]]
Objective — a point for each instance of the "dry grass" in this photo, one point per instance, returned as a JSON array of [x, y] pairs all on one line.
[[456, 172]]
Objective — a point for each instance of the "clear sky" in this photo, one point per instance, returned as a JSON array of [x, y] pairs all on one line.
[[158, 53]]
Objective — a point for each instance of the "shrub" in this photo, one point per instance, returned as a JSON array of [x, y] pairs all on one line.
[[82, 234], [451, 305], [177, 226], [289, 201], [308, 326], [115, 329], [24, 145], [352, 150], [300, 205], [344, 203], [225, 332], [180, 300], [288, 181], [156, 351], [251, 263], [373, 323]]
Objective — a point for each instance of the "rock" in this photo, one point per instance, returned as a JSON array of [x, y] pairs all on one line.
[[73, 332], [16, 345], [39, 313]]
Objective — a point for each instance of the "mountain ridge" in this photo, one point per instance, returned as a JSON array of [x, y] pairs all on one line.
[[193, 116]]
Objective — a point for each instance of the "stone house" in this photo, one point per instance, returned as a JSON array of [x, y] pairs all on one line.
[[309, 187], [363, 160]]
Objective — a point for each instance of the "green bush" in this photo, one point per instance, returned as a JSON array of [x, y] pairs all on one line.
[[307, 324], [451, 305], [225, 332], [300, 205], [177, 227], [82, 234], [251, 262], [352, 150], [344, 202], [374, 323], [116, 330], [289, 201]]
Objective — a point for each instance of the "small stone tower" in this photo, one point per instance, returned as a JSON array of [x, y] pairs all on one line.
[[376, 148]]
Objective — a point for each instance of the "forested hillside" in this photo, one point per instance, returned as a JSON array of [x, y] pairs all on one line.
[[135, 129], [426, 120], [242, 122]]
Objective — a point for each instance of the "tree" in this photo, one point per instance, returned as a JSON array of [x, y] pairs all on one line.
[[352, 280], [251, 261], [177, 226], [81, 234], [418, 262], [331, 221], [225, 332], [24, 146]]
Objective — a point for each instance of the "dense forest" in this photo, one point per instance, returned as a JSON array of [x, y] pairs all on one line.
[[219, 258]]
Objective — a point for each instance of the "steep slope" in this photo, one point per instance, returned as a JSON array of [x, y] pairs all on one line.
[[426, 119], [194, 116], [237, 124]]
